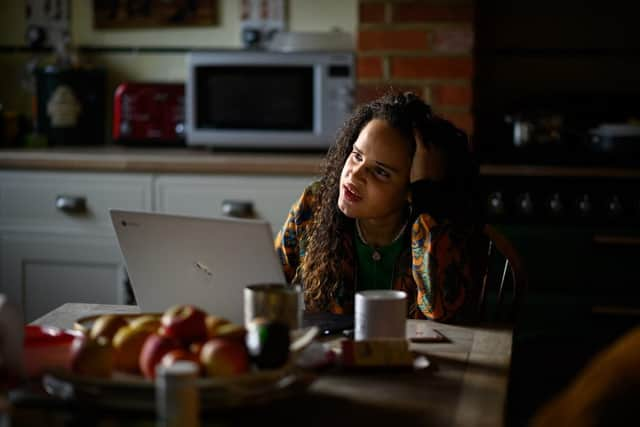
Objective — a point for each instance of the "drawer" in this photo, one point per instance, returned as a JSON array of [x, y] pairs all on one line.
[[270, 197], [82, 201]]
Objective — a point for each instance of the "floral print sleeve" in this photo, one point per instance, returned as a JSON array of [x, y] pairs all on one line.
[[291, 239], [441, 266]]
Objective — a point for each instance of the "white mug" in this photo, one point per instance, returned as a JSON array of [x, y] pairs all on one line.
[[380, 314]]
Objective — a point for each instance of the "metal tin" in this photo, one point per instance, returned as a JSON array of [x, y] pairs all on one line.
[[275, 302]]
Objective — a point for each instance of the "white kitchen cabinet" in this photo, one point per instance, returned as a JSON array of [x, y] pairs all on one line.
[[269, 197], [42, 271], [57, 244]]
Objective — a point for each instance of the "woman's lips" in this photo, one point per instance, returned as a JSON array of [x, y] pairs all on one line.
[[350, 194]]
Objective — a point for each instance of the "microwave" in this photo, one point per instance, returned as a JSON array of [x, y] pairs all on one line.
[[267, 100]]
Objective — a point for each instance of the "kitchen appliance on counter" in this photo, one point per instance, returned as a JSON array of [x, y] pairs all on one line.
[[71, 105], [148, 113], [264, 100], [623, 138]]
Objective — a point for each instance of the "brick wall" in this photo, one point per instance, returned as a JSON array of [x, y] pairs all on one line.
[[422, 46]]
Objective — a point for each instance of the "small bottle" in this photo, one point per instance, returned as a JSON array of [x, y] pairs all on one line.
[[177, 399]]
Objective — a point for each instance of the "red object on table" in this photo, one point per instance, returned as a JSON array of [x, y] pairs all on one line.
[[46, 347]]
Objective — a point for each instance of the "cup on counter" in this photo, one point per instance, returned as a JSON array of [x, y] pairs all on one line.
[[275, 302], [380, 314]]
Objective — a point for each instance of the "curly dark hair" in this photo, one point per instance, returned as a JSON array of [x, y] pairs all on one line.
[[322, 273]]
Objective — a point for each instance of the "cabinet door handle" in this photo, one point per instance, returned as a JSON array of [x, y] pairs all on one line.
[[238, 208], [71, 204]]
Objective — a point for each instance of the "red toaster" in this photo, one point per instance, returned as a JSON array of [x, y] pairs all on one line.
[[149, 113]]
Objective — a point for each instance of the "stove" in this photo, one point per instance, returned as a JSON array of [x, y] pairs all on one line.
[[578, 232], [560, 197]]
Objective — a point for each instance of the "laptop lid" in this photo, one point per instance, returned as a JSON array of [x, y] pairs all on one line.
[[177, 259]]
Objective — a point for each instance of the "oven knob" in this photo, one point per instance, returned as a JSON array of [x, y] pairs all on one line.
[[555, 204], [495, 203], [584, 205], [614, 207], [525, 204]]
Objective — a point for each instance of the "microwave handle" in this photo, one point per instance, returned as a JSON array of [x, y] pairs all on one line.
[[238, 208]]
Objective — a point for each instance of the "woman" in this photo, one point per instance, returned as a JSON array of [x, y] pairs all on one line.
[[394, 209]]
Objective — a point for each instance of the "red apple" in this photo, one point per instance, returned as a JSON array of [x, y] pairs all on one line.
[[91, 356], [180, 354], [153, 349], [224, 357], [185, 322]]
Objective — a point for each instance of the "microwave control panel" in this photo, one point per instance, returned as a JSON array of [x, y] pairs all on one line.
[[341, 93]]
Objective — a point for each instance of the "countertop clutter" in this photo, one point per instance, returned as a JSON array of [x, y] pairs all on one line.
[[466, 385]]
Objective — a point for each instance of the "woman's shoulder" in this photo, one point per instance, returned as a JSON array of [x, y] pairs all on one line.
[[304, 207], [314, 187], [310, 193]]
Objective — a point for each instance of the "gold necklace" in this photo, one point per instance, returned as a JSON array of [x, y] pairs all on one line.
[[376, 255]]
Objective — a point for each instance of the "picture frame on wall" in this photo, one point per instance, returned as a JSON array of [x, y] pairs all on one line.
[[110, 14]]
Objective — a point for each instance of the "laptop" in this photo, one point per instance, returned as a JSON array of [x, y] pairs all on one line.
[[177, 259]]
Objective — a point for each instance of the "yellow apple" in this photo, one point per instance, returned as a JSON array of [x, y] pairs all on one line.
[[213, 323], [106, 326], [146, 320], [91, 356], [127, 344], [231, 331]]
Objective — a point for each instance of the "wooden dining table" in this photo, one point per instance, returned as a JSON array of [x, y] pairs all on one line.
[[465, 383]]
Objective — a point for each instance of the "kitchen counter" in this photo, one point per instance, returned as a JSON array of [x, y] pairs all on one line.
[[202, 161], [161, 160]]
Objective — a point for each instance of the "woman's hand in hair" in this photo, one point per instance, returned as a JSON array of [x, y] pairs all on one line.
[[428, 160]]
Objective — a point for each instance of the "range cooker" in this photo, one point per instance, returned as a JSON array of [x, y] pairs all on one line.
[[578, 231], [590, 198]]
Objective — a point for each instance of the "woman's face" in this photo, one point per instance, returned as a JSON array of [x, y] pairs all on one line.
[[374, 183]]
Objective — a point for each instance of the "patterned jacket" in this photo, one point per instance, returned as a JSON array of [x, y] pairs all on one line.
[[436, 271]]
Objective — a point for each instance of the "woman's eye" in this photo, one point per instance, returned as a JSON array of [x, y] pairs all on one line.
[[357, 156], [381, 172]]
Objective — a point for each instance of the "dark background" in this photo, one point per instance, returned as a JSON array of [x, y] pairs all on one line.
[[579, 62]]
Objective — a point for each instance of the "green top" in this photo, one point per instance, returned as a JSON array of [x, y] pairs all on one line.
[[374, 274]]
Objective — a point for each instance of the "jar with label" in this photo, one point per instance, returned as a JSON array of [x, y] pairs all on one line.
[[71, 105]]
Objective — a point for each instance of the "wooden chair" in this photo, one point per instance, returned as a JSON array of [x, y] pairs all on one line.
[[504, 281]]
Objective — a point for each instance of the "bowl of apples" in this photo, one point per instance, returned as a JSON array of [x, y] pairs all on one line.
[[113, 358]]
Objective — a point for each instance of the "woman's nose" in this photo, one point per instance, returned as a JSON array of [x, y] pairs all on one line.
[[359, 171]]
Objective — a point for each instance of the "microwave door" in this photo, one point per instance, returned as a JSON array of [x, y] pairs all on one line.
[[264, 98]]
